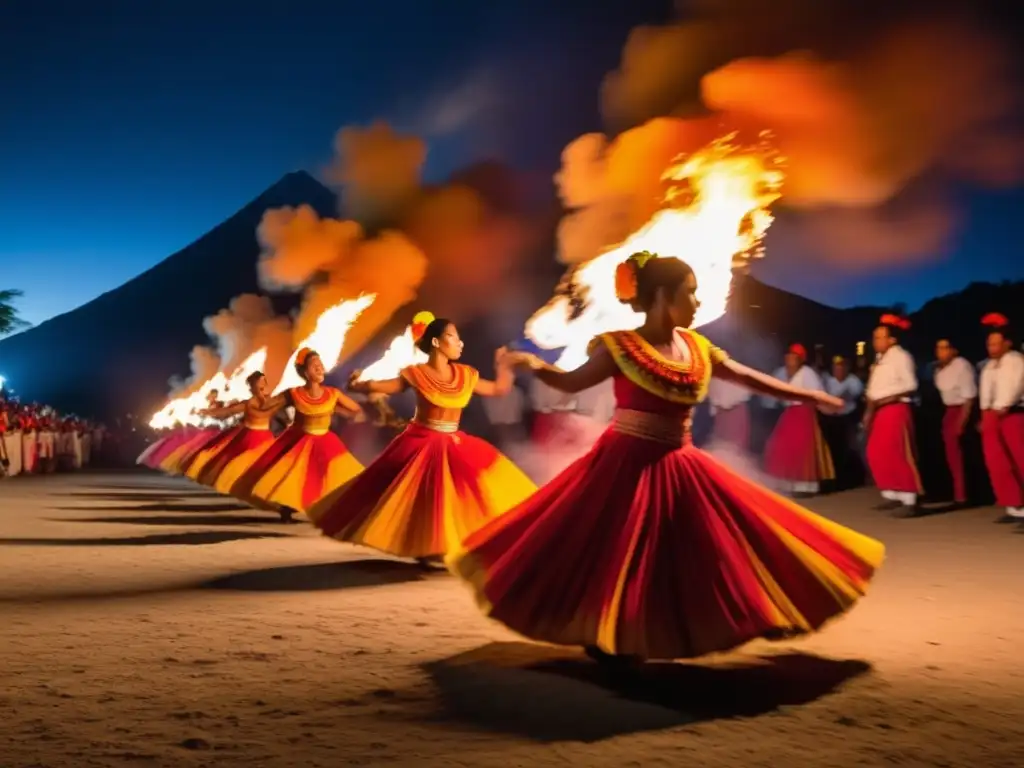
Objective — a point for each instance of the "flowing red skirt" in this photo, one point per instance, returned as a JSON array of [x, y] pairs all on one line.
[[178, 458], [638, 548], [796, 450], [296, 469], [891, 452], [206, 465], [423, 495], [733, 426], [1002, 441], [158, 451]]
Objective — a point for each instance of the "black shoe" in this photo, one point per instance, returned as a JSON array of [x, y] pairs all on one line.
[[887, 506], [287, 514], [1009, 519]]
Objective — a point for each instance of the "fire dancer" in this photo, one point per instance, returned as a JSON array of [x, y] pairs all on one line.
[[840, 429], [155, 454], [307, 460], [889, 420], [1002, 417], [796, 453], [954, 378], [731, 413], [647, 546], [235, 448], [433, 485]]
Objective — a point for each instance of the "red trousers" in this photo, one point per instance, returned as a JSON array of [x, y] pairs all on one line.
[[1002, 441], [951, 434]]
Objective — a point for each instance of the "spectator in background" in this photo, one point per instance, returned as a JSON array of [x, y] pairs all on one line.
[[954, 379], [841, 428], [1002, 417]]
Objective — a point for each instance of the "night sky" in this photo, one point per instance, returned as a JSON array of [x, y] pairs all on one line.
[[128, 129]]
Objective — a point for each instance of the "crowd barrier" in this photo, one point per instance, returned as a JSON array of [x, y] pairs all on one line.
[[33, 452]]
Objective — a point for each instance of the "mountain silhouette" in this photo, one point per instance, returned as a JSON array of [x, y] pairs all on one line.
[[115, 354]]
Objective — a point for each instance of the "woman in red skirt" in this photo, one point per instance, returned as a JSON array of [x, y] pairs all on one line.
[[646, 547], [433, 485]]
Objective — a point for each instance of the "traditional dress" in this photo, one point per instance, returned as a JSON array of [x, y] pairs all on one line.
[[796, 453], [1002, 429], [647, 546], [432, 486], [175, 461], [158, 451], [306, 461], [957, 387], [891, 448], [250, 436], [840, 429]]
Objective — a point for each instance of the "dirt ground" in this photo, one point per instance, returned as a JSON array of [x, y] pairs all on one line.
[[145, 622]]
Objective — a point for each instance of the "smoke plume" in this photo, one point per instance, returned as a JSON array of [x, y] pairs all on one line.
[[879, 109], [204, 362]]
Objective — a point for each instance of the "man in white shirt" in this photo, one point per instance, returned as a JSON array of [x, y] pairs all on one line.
[[796, 453], [889, 420], [731, 413], [954, 378], [1002, 418], [841, 428]]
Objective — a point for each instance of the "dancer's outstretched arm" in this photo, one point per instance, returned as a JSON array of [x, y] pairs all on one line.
[[225, 411], [382, 387], [504, 378], [349, 408], [763, 384], [599, 366]]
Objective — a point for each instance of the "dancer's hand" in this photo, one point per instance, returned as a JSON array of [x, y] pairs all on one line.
[[359, 416], [502, 358], [827, 402], [354, 384]]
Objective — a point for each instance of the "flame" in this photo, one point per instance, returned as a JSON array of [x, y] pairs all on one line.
[[327, 339], [401, 353], [182, 410], [715, 216]]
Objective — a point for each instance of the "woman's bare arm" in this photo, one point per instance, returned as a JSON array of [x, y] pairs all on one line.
[[224, 411], [763, 384], [599, 366], [383, 387], [349, 408], [504, 377]]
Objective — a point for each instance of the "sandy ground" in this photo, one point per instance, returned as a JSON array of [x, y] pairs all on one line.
[[145, 622]]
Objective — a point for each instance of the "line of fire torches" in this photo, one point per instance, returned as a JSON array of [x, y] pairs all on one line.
[[715, 214]]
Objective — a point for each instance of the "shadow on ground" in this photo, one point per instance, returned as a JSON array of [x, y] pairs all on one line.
[[172, 520], [548, 694], [322, 576], [223, 506], [190, 538], [141, 496]]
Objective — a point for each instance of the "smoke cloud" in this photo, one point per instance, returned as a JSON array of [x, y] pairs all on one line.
[[204, 362], [869, 103]]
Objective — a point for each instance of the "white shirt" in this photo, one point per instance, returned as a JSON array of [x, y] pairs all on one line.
[[507, 409], [893, 374], [725, 395], [546, 399], [1002, 382], [849, 390], [805, 378], [955, 382]]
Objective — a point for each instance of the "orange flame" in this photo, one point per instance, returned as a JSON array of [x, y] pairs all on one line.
[[715, 215]]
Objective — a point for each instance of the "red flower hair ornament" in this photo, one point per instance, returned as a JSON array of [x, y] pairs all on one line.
[[627, 275]]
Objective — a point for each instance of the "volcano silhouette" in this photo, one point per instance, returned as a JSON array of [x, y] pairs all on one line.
[[114, 355]]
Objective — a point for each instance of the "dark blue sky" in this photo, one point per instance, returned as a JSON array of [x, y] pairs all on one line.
[[130, 128]]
